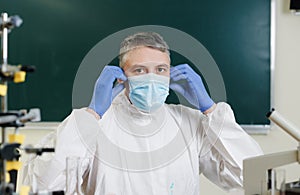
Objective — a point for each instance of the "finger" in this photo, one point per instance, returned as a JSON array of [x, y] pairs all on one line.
[[181, 69], [121, 76], [177, 88], [106, 76], [117, 89], [177, 74], [118, 73], [92, 103], [111, 73], [185, 68], [189, 74]]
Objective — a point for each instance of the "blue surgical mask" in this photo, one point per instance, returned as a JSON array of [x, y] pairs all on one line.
[[148, 92]]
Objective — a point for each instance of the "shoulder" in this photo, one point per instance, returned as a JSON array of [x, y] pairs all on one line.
[[78, 118], [84, 113], [221, 108]]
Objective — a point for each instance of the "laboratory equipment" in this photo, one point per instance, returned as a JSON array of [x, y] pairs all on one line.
[[9, 150], [256, 172]]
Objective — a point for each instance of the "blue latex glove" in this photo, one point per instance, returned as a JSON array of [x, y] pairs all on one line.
[[188, 83], [104, 92]]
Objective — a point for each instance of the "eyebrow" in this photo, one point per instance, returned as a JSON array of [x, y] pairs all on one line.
[[143, 65], [136, 66], [164, 65]]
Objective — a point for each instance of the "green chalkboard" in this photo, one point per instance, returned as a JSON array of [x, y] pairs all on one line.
[[57, 35]]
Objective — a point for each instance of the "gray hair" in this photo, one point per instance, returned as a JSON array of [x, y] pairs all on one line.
[[142, 39]]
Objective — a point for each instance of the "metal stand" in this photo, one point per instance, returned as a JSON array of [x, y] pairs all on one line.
[[9, 152], [255, 170], [4, 51], [6, 24]]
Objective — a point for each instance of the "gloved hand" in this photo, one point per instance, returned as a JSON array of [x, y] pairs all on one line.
[[104, 92], [188, 83]]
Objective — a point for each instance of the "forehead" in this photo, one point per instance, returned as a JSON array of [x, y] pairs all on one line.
[[146, 55]]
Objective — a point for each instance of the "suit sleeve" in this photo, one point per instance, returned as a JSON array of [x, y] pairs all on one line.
[[223, 145]]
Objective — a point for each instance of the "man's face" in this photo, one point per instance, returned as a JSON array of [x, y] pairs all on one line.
[[146, 60]]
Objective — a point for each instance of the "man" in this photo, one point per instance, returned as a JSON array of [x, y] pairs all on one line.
[[134, 143]]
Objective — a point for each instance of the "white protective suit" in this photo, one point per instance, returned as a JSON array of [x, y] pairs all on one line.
[[131, 153]]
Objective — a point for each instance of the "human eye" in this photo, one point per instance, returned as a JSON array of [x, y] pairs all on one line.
[[139, 70], [162, 69]]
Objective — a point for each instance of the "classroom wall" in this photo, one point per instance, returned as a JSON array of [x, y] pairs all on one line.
[[286, 90], [287, 58], [286, 93]]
